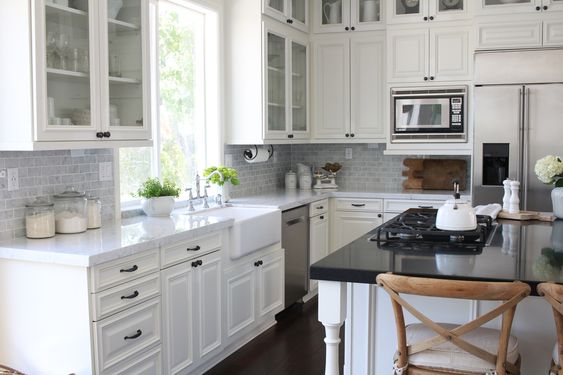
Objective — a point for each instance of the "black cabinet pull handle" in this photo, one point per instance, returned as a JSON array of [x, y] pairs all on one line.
[[358, 204], [197, 248], [432, 78], [379, 215], [538, 9], [320, 207], [425, 206], [132, 269], [352, 135], [107, 134], [425, 18], [194, 264], [545, 7], [346, 28], [426, 78], [135, 336], [131, 296], [99, 135], [431, 18], [352, 28], [290, 136]]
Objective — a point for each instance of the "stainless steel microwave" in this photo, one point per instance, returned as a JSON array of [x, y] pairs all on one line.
[[436, 114]]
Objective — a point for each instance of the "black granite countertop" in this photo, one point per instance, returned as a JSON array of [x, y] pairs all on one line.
[[531, 252]]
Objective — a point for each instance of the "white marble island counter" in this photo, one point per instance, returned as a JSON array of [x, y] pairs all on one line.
[[114, 240]]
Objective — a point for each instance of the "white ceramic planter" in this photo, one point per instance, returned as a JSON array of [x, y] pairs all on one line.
[[225, 192], [160, 206], [557, 200]]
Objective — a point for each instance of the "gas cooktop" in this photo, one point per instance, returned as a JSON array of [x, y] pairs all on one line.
[[415, 230]]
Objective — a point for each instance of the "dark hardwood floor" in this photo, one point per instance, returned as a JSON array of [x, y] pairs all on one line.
[[294, 346]]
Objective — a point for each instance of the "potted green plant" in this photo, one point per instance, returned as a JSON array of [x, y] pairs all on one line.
[[223, 177], [158, 198], [549, 170]]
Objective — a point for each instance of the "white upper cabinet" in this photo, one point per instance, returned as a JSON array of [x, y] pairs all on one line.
[[349, 87], [347, 15], [293, 12], [88, 74], [412, 11], [434, 54], [518, 6]]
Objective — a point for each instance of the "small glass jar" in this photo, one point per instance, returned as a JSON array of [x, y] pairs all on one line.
[[70, 211], [39, 219], [94, 212]]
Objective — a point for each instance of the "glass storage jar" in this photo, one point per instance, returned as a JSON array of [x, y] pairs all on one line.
[[39, 219], [70, 211], [94, 212]]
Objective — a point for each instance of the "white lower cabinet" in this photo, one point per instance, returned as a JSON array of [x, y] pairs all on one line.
[[352, 218], [191, 297], [318, 241], [254, 290]]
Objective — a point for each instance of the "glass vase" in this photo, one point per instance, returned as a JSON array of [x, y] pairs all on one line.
[[557, 200]]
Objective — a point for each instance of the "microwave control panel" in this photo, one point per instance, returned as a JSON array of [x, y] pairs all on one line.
[[456, 112]]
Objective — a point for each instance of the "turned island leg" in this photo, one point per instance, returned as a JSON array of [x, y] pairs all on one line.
[[332, 313]]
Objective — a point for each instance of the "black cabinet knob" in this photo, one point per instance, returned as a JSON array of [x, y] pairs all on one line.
[[431, 18], [290, 136], [379, 215], [352, 28], [426, 78], [194, 264], [99, 135], [258, 263], [288, 21], [432, 78], [346, 28], [347, 135], [538, 9], [107, 134], [321, 217], [545, 7], [352, 135], [425, 18], [200, 262]]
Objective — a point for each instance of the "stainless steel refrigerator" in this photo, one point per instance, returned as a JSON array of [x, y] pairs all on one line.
[[518, 104]]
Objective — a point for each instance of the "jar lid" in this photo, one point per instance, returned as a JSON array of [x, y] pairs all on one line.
[[40, 202], [92, 198], [70, 193]]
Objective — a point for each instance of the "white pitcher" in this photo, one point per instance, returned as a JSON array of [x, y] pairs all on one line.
[[333, 12], [369, 11]]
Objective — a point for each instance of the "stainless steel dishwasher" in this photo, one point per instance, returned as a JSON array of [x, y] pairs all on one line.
[[295, 241]]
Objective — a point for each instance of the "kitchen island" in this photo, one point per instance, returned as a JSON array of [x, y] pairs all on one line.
[[531, 252]]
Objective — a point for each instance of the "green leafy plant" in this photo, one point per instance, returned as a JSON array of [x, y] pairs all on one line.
[[153, 188], [229, 175]]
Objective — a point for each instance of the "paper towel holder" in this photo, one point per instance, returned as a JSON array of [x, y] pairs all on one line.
[[250, 154]]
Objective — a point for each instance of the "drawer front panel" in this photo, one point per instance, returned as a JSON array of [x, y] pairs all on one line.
[[123, 296], [190, 249], [371, 205], [125, 334], [403, 205], [317, 208], [149, 363], [121, 270], [509, 35]]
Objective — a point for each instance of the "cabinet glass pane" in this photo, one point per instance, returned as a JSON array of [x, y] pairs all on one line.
[[407, 7], [68, 66], [277, 5], [125, 66], [450, 5], [299, 86], [506, 2], [276, 82], [369, 11], [332, 12], [298, 10]]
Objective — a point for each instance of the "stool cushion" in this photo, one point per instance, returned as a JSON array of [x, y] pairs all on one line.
[[449, 356], [555, 356]]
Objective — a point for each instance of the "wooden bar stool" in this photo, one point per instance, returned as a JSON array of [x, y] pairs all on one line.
[[437, 348], [553, 293]]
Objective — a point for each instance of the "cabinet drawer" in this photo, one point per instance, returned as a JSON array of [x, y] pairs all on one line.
[[125, 334], [190, 249], [372, 205], [123, 296], [317, 208], [392, 205], [121, 270], [510, 34], [149, 363]]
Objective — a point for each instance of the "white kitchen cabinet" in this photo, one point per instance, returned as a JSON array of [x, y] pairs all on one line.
[[349, 87], [553, 32], [348, 15], [266, 78], [65, 95], [546, 31], [352, 218], [427, 11], [191, 298], [318, 241], [489, 7], [254, 289], [429, 54], [295, 13]]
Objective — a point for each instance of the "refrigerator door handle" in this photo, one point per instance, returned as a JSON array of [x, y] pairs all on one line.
[[525, 145]]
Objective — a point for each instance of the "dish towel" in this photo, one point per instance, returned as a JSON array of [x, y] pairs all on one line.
[[490, 209]]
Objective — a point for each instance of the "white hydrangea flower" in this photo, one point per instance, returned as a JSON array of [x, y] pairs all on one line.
[[548, 168]]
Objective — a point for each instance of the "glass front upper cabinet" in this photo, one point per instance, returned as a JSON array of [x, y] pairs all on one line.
[[509, 6], [69, 103], [276, 84], [407, 11], [298, 87], [123, 107], [294, 13], [347, 15]]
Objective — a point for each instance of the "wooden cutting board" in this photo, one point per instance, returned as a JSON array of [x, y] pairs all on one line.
[[434, 174], [526, 215]]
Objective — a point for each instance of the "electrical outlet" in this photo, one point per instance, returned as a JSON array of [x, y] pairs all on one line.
[[105, 171], [13, 179], [3, 173], [348, 153]]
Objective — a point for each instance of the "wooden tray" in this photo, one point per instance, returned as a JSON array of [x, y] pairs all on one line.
[[526, 215], [434, 174]]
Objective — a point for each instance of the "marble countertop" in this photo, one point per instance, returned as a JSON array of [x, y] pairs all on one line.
[[291, 198], [114, 240]]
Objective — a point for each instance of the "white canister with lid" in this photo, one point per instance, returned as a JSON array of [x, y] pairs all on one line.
[[39, 219], [291, 180], [94, 212], [70, 211], [305, 181]]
